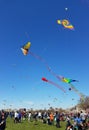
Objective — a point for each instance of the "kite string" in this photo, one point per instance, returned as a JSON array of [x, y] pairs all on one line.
[[27, 35], [80, 94], [57, 86], [45, 63]]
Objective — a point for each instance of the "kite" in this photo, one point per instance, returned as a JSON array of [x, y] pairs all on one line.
[[46, 80], [69, 89], [66, 80], [66, 24], [25, 48], [69, 81], [72, 98], [66, 9], [61, 78]]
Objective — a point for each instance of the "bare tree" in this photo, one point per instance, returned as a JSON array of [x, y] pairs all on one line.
[[84, 104]]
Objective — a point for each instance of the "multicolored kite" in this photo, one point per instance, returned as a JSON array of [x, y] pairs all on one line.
[[66, 24], [25, 48], [66, 80]]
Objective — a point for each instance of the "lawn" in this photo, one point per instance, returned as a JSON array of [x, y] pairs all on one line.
[[25, 125]]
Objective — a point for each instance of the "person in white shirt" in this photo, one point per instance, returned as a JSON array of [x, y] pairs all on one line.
[[29, 116]]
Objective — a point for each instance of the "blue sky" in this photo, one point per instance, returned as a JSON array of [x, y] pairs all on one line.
[[65, 51]]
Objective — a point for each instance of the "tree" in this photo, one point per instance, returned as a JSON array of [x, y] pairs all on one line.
[[84, 104]]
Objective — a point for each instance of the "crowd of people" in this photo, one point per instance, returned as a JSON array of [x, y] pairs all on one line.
[[73, 121]]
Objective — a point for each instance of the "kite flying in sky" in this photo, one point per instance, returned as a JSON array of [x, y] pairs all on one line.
[[69, 81], [25, 48], [66, 80], [66, 24], [51, 82]]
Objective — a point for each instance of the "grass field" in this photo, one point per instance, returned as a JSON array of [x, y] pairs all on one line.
[[25, 125]]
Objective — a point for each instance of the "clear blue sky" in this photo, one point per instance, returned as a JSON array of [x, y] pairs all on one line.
[[65, 51]]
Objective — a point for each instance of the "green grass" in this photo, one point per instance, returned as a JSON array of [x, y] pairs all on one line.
[[25, 125]]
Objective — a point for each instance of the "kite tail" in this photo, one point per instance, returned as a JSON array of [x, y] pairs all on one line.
[[80, 94], [53, 73], [36, 56], [57, 86], [46, 64]]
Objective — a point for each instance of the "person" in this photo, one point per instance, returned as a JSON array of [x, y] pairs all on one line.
[[57, 119], [2, 122], [36, 117], [68, 123], [83, 117], [19, 116], [87, 124], [51, 118], [70, 127], [78, 122], [15, 117], [29, 116], [39, 115], [48, 118]]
